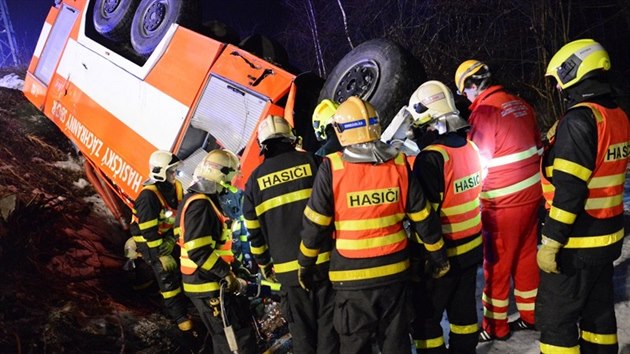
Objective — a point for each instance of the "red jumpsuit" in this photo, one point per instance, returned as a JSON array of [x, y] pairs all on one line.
[[504, 128]]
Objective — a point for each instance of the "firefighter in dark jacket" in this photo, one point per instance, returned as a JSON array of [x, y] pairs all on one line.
[[449, 171], [206, 256], [363, 194], [275, 197], [324, 131], [583, 175], [152, 231]]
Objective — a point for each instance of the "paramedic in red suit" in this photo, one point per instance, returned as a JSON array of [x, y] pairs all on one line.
[[505, 131]]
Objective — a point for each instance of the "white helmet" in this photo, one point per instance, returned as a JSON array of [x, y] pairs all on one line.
[[433, 103], [273, 127], [220, 166], [160, 162]]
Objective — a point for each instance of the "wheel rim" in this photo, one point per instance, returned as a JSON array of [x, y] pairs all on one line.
[[359, 80], [153, 17], [109, 7]]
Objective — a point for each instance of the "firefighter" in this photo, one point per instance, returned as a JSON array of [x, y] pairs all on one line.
[[504, 129], [583, 171], [449, 171], [153, 216], [324, 131], [275, 197], [231, 200], [363, 194], [206, 257]]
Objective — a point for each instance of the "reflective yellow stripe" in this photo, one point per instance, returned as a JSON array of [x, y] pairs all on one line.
[[461, 208], [154, 244], [316, 217], [607, 181], [562, 216], [495, 315], [511, 189], [429, 343], [435, 206], [335, 161], [282, 200], [252, 224], [293, 265], [177, 231], [548, 188], [369, 224], [139, 238], [594, 241], [494, 302], [437, 149], [308, 252], [421, 214], [201, 288], [604, 202], [463, 248], [211, 261], [187, 262], [148, 224], [400, 159], [200, 242], [601, 339], [515, 157], [463, 225], [596, 112], [273, 286], [244, 238], [526, 294], [554, 349], [368, 273], [465, 329], [523, 306], [572, 168], [432, 247], [258, 250], [379, 241], [549, 171], [170, 294]]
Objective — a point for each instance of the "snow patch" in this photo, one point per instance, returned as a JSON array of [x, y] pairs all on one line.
[[12, 81], [69, 164], [81, 183]]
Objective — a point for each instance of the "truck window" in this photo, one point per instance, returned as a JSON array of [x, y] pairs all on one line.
[[55, 44]]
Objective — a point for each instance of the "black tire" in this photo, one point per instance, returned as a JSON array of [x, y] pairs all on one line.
[[379, 71], [112, 18], [266, 48], [154, 17]]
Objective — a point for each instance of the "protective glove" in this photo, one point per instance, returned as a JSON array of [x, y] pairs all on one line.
[[166, 248], [267, 272], [546, 256], [168, 263], [306, 277], [438, 264], [233, 284]]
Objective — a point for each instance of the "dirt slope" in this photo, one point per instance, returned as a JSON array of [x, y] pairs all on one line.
[[63, 287]]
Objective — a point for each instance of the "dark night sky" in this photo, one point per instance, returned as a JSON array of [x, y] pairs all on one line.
[[27, 17]]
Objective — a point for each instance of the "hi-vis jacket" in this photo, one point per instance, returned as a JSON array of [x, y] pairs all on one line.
[[455, 196], [504, 128], [583, 182], [153, 217], [205, 240], [275, 197], [365, 204]]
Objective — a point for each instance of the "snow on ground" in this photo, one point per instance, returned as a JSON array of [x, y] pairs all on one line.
[[12, 81]]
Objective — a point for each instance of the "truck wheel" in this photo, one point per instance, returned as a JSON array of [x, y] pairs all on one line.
[[154, 17], [379, 71], [112, 18]]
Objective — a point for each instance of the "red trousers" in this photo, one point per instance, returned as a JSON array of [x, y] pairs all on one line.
[[510, 239]]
